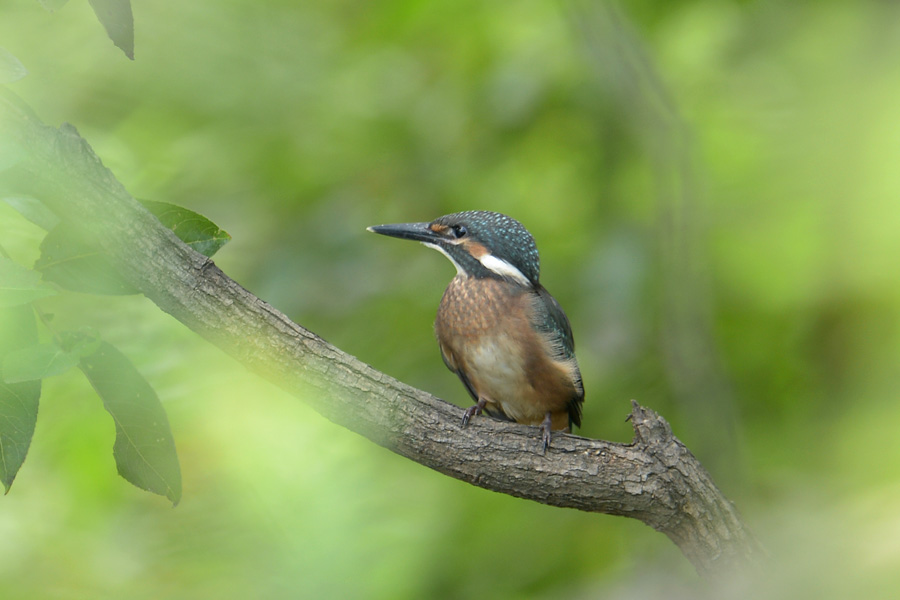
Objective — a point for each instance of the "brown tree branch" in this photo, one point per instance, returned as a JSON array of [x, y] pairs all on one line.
[[654, 479]]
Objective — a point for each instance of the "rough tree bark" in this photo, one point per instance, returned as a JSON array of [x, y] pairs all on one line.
[[655, 478]]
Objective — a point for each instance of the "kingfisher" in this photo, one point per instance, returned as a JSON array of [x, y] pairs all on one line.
[[502, 333]]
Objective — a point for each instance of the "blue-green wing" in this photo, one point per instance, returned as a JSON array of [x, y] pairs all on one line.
[[553, 322]]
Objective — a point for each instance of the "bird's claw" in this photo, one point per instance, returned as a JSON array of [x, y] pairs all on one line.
[[473, 411], [545, 433], [545, 442]]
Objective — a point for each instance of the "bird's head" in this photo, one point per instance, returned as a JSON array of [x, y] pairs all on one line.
[[479, 243]]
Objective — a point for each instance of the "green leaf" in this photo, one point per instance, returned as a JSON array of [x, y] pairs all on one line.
[[74, 264], [10, 155], [10, 67], [18, 415], [144, 449], [34, 210], [192, 228], [18, 401], [116, 17], [82, 343], [37, 362], [19, 285]]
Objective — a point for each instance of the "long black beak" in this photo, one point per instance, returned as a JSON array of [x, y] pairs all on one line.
[[419, 232]]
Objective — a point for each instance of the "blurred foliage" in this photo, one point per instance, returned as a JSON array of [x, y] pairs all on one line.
[[712, 185]]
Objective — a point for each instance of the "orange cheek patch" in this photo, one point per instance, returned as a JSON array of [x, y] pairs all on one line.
[[438, 228], [475, 249]]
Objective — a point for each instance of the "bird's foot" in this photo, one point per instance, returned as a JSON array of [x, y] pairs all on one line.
[[473, 411], [545, 433]]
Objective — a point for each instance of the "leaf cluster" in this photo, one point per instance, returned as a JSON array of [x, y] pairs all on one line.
[[31, 349]]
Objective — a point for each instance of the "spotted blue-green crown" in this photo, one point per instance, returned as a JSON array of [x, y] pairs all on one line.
[[504, 237]]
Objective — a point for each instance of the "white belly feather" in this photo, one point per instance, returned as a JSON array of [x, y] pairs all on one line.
[[498, 367]]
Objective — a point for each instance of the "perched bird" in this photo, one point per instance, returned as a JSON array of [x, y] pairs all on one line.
[[499, 330]]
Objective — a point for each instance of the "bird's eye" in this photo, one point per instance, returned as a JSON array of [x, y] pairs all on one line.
[[459, 231]]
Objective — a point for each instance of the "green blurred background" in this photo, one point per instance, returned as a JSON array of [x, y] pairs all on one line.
[[714, 189]]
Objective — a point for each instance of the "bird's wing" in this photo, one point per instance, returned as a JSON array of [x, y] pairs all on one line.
[[451, 364], [553, 322]]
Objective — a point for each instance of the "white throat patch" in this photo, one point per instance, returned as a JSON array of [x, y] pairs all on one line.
[[503, 269], [493, 264], [459, 270]]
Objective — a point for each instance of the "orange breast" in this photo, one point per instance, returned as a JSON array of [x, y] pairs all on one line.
[[484, 330]]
